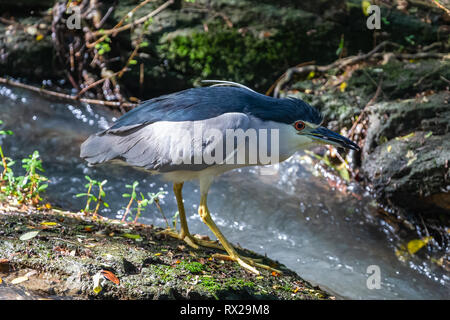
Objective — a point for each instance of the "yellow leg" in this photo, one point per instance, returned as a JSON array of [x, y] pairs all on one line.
[[184, 233], [206, 217]]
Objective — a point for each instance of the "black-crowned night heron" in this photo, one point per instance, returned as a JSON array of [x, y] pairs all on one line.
[[201, 133]]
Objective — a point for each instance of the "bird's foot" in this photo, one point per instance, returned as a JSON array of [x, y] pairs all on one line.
[[188, 238], [193, 241], [247, 263]]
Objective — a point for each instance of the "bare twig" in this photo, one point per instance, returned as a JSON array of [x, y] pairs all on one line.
[[94, 84], [268, 92], [342, 63], [436, 2], [115, 30], [363, 112], [59, 95]]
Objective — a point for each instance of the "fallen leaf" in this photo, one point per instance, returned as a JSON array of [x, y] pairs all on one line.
[[365, 7], [410, 161], [49, 224], [29, 235], [131, 236], [343, 86], [39, 37], [416, 244], [110, 276], [31, 273], [343, 172], [275, 274], [410, 154], [19, 280], [389, 148], [412, 134], [429, 134], [1, 281]]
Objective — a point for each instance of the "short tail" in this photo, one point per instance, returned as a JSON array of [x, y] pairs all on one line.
[[100, 148]]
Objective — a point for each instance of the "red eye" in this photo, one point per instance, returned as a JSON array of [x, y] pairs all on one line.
[[299, 125]]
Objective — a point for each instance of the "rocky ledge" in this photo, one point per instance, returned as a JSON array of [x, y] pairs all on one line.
[[54, 253]]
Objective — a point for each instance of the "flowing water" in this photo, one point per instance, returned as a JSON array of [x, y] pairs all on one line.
[[327, 237]]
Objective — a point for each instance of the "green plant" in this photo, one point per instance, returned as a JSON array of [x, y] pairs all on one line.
[[91, 197], [154, 197], [410, 39], [340, 49], [143, 203], [194, 267], [103, 47], [4, 159], [132, 196], [33, 183]]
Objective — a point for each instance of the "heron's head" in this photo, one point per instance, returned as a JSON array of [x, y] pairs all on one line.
[[307, 129], [309, 133]]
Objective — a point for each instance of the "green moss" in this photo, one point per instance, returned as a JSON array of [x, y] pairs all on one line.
[[235, 283], [242, 57], [192, 267]]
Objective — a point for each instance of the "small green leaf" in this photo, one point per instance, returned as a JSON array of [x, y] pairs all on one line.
[[81, 195], [131, 236]]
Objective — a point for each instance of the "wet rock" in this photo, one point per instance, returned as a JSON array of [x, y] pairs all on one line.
[[27, 51], [28, 3], [407, 150]]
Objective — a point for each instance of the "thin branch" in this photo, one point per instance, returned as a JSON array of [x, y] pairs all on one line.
[[340, 63], [105, 33], [363, 112], [268, 92], [116, 104], [436, 2], [94, 84]]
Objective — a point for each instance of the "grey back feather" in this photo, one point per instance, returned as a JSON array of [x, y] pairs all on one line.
[[163, 146]]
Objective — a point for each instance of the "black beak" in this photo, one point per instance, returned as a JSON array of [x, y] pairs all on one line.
[[327, 136]]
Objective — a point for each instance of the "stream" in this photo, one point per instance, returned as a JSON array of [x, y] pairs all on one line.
[[327, 237]]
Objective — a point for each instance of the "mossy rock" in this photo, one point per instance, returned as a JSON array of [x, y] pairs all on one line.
[[71, 248]]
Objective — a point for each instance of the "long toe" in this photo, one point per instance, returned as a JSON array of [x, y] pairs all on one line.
[[247, 262], [188, 239]]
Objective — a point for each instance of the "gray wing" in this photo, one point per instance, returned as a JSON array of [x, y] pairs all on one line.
[[166, 146]]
